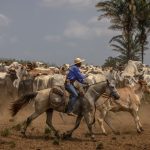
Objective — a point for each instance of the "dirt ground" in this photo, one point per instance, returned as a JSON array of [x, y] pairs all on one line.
[[37, 139]]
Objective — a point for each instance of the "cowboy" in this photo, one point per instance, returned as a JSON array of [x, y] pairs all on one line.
[[73, 75]]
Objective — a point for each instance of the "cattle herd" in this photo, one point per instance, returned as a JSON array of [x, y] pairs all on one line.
[[26, 78], [132, 81]]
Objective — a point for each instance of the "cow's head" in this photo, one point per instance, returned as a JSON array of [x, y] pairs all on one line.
[[12, 74]]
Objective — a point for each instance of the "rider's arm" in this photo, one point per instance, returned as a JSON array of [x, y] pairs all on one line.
[[79, 76]]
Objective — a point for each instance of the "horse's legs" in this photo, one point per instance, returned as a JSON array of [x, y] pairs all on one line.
[[28, 121], [69, 133], [104, 117], [89, 125], [101, 121], [140, 125], [62, 117], [49, 113], [137, 120], [108, 122]]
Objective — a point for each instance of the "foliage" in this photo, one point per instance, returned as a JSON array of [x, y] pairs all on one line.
[[132, 19], [111, 62]]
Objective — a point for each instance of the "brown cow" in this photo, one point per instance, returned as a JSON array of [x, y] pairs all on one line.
[[130, 101]]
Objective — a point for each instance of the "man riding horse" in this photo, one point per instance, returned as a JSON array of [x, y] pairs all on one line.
[[73, 75]]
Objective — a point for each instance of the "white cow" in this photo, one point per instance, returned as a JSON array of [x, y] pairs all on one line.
[[130, 101], [48, 81], [131, 68]]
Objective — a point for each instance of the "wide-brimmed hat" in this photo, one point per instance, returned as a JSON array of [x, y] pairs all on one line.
[[78, 60]]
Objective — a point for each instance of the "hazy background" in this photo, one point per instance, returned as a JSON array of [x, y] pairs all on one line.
[[55, 31]]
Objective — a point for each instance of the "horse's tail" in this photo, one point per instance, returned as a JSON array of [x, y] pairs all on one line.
[[21, 102]]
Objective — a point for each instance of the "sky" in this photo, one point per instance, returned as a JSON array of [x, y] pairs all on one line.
[[55, 31]]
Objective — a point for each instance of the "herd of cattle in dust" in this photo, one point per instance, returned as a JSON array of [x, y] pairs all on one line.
[[132, 81]]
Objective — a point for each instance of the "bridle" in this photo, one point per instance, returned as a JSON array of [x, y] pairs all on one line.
[[105, 96]]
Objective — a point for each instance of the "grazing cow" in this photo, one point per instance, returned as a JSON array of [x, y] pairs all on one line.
[[130, 101]]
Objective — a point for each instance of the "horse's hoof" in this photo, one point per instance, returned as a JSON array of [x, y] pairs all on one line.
[[92, 136], [116, 132], [141, 129], [66, 136], [57, 134], [105, 133], [23, 133]]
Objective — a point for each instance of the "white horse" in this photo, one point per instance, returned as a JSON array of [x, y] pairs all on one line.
[[46, 100]]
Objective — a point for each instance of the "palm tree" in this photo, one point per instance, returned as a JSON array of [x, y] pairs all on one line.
[[120, 44], [143, 23], [121, 14]]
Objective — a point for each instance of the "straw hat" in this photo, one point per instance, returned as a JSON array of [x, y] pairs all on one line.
[[78, 60]]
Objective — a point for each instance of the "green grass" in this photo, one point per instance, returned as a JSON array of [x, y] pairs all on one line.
[[5, 132], [47, 131]]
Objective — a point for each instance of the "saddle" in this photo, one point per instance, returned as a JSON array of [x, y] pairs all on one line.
[[59, 98]]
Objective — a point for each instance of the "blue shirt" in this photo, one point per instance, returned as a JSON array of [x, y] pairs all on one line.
[[75, 74]]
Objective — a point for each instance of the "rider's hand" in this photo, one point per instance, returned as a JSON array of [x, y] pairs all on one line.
[[86, 75]]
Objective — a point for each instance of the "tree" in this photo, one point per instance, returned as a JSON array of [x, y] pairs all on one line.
[[111, 62], [120, 44], [143, 24], [121, 14], [131, 18]]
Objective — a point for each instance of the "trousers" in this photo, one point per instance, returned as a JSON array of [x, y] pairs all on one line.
[[73, 97]]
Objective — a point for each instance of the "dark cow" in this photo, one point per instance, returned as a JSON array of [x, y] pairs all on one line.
[[25, 86]]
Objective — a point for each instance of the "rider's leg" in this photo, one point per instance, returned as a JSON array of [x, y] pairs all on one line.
[[71, 89]]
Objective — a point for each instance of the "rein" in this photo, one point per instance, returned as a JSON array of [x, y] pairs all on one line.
[[105, 96], [96, 83], [98, 96]]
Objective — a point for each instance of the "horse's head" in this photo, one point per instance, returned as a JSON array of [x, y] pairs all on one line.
[[111, 90]]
